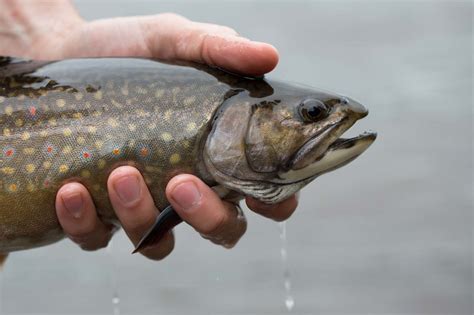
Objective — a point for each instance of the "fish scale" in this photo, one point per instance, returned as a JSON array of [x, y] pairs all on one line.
[[83, 125]]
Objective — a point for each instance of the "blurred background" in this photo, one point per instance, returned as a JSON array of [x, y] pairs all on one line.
[[391, 233]]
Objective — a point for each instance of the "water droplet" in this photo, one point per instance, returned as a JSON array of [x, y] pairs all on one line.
[[113, 279], [289, 300]]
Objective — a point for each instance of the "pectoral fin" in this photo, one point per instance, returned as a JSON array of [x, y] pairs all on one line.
[[166, 220], [3, 257]]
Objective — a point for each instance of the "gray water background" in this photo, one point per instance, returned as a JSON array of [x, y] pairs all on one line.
[[389, 234]]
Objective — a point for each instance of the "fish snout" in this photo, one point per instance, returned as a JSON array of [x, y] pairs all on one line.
[[355, 108]]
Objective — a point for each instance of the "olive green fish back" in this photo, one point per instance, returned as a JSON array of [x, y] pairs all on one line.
[[79, 119]]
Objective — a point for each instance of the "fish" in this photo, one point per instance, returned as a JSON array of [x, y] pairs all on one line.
[[76, 120]]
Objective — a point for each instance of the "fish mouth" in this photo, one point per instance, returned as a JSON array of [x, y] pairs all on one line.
[[324, 152]]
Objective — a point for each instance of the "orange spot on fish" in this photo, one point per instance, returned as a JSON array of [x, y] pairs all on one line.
[[144, 152], [116, 151], [9, 152], [32, 110]]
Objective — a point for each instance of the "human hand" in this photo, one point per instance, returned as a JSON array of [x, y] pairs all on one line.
[[56, 32]]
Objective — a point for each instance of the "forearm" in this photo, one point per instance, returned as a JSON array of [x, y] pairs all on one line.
[[27, 25]]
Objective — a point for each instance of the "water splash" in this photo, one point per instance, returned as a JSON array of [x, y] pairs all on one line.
[[113, 279], [289, 300]]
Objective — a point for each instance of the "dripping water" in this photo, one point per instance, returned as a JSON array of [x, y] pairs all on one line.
[[113, 279], [289, 300]]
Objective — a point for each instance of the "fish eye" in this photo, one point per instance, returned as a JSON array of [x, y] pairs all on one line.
[[312, 110], [344, 101]]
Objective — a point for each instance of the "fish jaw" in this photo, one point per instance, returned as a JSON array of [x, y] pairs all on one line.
[[338, 154]]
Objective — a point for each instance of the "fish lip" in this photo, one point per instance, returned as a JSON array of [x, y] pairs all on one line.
[[345, 143], [322, 141]]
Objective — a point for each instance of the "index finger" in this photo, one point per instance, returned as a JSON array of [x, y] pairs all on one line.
[[176, 37]]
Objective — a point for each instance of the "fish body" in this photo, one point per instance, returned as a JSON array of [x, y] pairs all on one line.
[[77, 120]]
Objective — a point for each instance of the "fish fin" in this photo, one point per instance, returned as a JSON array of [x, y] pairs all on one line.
[[166, 220], [3, 257]]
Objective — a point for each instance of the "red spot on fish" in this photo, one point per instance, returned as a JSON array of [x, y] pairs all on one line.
[[32, 110], [116, 151], [49, 149], [46, 183], [144, 152], [86, 155], [9, 152]]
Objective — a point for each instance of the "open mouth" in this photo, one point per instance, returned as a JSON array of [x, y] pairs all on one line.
[[314, 159]]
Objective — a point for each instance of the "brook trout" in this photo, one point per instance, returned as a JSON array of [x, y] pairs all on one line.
[[78, 119]]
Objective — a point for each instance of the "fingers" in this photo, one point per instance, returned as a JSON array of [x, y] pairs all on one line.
[[78, 217], [135, 209], [221, 222], [277, 212], [172, 36]]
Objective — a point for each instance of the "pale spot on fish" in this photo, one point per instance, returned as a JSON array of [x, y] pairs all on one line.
[[25, 136], [31, 187], [6, 132], [116, 104], [60, 102], [189, 100], [92, 129], [8, 170], [78, 96], [8, 110], [67, 149], [85, 173], [63, 168], [19, 122], [98, 95], [52, 122], [99, 144], [101, 164], [77, 115], [29, 151], [30, 168], [96, 113], [46, 164], [191, 126], [43, 133], [67, 132], [132, 127], [2, 99], [152, 125], [168, 114], [167, 137], [80, 140], [175, 158], [159, 93], [112, 122]]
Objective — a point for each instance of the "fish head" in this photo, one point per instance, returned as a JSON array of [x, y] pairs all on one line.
[[270, 147]]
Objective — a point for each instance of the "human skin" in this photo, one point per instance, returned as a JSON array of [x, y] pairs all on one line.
[[51, 29]]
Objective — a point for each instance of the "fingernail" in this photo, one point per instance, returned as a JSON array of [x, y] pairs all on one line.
[[186, 195], [73, 204], [128, 189]]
